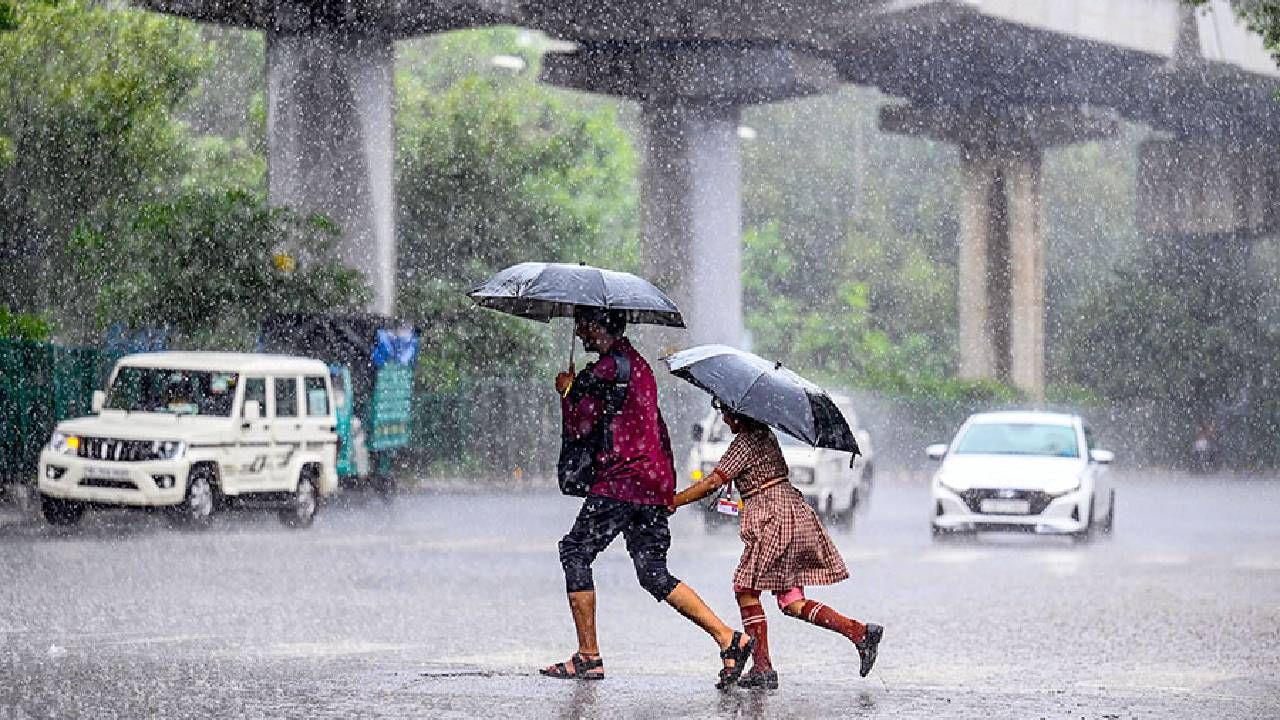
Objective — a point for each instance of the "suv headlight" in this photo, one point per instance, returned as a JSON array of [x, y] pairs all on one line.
[[169, 449], [802, 476], [64, 444]]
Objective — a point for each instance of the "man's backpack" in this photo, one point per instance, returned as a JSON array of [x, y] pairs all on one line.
[[576, 469]]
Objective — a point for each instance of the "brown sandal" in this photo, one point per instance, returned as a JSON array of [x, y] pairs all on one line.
[[583, 669]]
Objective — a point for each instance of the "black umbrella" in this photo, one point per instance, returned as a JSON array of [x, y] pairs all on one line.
[[541, 291], [764, 390]]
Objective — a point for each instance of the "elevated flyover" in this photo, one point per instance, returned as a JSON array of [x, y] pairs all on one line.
[[1001, 79]]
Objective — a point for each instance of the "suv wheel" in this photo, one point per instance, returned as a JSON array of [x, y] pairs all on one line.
[[60, 512], [301, 511], [196, 508]]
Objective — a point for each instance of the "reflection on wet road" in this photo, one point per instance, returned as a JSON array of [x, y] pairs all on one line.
[[443, 604]]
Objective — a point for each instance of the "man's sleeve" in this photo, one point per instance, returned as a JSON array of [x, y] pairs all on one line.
[[585, 401]]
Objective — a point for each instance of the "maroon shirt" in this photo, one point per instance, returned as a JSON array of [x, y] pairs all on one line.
[[639, 468]]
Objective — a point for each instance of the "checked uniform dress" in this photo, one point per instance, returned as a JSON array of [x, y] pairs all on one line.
[[786, 545]]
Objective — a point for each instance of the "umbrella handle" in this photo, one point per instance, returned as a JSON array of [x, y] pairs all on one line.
[[573, 345]]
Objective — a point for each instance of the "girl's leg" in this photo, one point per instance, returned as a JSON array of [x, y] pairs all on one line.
[[812, 611], [755, 625]]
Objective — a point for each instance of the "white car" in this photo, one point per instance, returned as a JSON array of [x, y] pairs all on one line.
[[194, 431], [833, 489], [1029, 471]]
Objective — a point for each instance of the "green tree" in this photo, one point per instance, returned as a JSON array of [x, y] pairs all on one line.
[[22, 326], [87, 105], [494, 169], [209, 265]]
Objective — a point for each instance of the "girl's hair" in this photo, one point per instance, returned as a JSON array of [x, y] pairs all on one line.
[[749, 424]]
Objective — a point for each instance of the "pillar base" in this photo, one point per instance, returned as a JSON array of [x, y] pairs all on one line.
[[330, 143]]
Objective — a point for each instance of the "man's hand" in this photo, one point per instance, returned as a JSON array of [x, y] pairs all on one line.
[[564, 381]]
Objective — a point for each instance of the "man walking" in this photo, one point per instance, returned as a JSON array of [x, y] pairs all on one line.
[[634, 485]]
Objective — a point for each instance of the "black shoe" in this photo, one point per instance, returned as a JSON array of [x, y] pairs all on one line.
[[868, 647], [766, 679]]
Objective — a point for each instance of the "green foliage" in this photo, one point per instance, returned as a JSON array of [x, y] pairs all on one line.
[[1181, 325], [495, 169], [23, 326], [836, 338], [8, 15], [87, 107], [209, 265]]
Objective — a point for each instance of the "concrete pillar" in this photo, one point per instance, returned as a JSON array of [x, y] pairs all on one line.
[[691, 214], [977, 344], [330, 140], [1001, 285], [1026, 228]]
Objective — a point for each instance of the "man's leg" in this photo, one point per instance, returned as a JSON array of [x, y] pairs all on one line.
[[598, 523], [648, 539], [583, 606]]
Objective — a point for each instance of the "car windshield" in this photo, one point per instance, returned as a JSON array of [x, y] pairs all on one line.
[[169, 390], [1019, 439]]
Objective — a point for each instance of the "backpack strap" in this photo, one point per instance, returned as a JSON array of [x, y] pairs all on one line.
[[615, 397]]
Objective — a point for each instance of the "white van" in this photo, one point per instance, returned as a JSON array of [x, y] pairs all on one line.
[[833, 489], [195, 431]]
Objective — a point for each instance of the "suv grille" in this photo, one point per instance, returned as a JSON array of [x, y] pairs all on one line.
[[116, 450], [1037, 499]]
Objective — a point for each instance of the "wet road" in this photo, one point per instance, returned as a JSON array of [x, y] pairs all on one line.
[[442, 604]]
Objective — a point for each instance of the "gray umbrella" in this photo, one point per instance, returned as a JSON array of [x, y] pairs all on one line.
[[541, 291], [764, 390]]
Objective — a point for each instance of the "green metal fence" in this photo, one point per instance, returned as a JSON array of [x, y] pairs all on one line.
[[40, 384]]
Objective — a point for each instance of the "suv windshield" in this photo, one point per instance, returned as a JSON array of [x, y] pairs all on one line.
[[1019, 439], [169, 390]]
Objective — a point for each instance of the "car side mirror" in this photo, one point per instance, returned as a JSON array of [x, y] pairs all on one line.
[[98, 401], [252, 410], [936, 451], [1102, 457], [697, 432]]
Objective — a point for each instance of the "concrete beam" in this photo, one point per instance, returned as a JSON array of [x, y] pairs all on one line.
[[1012, 126], [330, 143], [692, 72], [1199, 188]]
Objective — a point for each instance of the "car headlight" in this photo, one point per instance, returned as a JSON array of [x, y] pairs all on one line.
[[948, 484], [1069, 486], [169, 449], [802, 476], [64, 444]]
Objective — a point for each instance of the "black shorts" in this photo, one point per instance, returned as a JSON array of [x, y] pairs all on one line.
[[599, 521]]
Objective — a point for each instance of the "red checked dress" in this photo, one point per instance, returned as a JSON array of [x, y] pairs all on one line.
[[786, 545]]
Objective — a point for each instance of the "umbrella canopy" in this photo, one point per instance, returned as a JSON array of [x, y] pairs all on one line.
[[541, 291], [764, 390]]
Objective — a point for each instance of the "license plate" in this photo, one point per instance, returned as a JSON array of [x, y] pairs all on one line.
[[1006, 507], [727, 507], [102, 472]]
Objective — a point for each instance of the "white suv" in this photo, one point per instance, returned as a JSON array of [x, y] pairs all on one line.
[[829, 485], [194, 431]]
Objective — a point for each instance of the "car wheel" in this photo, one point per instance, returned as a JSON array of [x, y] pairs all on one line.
[[846, 518], [60, 512], [384, 485], [1085, 534], [302, 508], [197, 506], [1109, 523]]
